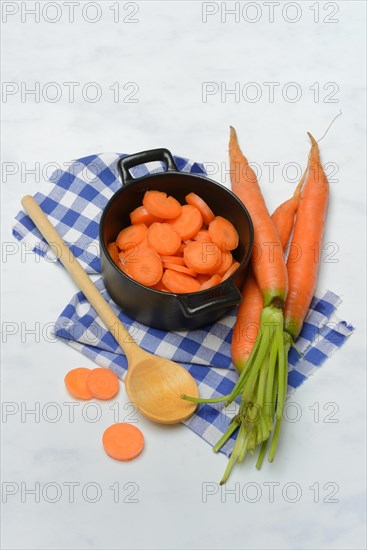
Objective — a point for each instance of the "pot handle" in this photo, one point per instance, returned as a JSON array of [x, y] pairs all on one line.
[[152, 155], [195, 304]]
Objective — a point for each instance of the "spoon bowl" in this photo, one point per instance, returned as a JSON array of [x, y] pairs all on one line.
[[155, 385]]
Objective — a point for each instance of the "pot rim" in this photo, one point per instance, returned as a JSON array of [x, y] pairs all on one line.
[[234, 197]]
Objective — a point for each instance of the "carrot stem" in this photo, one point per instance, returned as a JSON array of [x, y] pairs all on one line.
[[230, 430], [275, 440], [262, 453]]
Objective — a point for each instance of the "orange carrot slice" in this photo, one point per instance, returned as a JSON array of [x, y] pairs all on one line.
[[103, 383], [123, 441], [113, 251], [163, 238], [146, 267], [180, 268], [231, 270], [76, 383], [203, 236], [161, 205], [181, 249], [223, 233], [200, 204], [131, 236], [141, 215], [225, 264], [213, 281], [202, 257], [188, 223], [179, 282], [173, 259], [202, 278]]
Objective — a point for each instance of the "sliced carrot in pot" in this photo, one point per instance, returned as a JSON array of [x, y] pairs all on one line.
[[200, 204], [225, 263], [231, 270], [163, 238], [179, 282], [131, 236], [202, 257], [188, 223], [147, 269], [173, 259], [180, 268], [141, 215], [213, 281], [161, 205], [223, 233]]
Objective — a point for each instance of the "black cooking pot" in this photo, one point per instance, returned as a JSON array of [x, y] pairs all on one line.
[[167, 310]]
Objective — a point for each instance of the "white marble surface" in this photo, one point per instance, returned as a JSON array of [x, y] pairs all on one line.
[[169, 53]]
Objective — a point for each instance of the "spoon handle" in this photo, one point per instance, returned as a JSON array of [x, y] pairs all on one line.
[[82, 280]]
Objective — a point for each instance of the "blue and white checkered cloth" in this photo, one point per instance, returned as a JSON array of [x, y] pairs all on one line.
[[73, 200]]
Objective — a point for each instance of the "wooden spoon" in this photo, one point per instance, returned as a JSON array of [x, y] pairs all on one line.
[[154, 384]]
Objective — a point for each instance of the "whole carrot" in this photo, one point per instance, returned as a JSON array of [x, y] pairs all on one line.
[[247, 324], [267, 260], [307, 237]]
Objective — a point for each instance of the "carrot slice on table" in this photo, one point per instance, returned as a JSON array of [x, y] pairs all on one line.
[[173, 259], [188, 223], [161, 205], [113, 251], [202, 257], [179, 282], [231, 270], [146, 268], [213, 281], [123, 441], [223, 233], [203, 236], [131, 236], [180, 268], [76, 383], [163, 238], [141, 215], [103, 383], [225, 263], [200, 204]]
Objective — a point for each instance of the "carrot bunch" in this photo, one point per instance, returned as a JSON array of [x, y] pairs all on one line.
[[276, 298]]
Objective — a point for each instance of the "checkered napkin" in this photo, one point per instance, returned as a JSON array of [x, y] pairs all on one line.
[[73, 200]]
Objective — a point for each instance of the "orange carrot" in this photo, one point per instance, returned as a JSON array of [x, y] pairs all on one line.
[[123, 441], [213, 281], [223, 233], [113, 251], [180, 268], [268, 262], [307, 237], [141, 215], [201, 205], [76, 383], [202, 257], [103, 383], [131, 236], [179, 282], [146, 268], [163, 238], [231, 271], [161, 205], [188, 223], [247, 324]]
